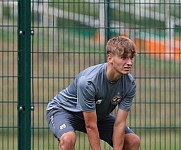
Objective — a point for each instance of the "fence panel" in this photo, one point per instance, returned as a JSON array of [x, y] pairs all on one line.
[[63, 44], [8, 76], [71, 35]]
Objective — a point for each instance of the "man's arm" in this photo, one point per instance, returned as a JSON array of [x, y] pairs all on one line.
[[119, 129], [92, 130]]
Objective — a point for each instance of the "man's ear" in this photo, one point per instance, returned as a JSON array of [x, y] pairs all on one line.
[[109, 58]]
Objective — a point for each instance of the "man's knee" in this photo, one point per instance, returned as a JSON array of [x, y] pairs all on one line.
[[132, 140], [136, 140], [67, 141]]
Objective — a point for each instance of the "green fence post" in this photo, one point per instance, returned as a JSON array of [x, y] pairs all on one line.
[[24, 69], [107, 18], [107, 23]]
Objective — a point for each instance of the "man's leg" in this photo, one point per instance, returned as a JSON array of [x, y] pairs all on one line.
[[67, 141], [131, 142], [63, 124]]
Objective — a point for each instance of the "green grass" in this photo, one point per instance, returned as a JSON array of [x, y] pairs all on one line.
[[44, 140]]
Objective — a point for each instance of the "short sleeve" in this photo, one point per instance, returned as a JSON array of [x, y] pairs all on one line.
[[126, 103], [85, 95]]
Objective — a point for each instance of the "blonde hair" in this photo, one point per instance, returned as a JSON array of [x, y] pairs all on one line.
[[121, 46]]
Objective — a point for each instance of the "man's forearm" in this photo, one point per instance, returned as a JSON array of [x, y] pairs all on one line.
[[119, 129], [118, 138], [94, 139]]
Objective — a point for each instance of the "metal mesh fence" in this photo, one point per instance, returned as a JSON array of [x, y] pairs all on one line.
[[68, 36], [8, 77]]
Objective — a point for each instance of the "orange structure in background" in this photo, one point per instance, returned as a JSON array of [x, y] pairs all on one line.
[[160, 48], [155, 47]]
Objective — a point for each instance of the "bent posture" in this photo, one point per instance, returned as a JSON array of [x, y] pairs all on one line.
[[86, 104]]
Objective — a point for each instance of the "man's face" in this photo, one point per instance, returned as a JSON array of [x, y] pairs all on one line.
[[122, 65]]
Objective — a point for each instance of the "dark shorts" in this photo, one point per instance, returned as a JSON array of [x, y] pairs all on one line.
[[61, 121]]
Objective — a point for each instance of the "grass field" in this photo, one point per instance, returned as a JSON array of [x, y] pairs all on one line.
[[42, 139]]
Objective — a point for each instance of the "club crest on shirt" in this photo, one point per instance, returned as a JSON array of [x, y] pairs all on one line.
[[116, 99]]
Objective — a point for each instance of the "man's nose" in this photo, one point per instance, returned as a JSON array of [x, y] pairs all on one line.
[[129, 61]]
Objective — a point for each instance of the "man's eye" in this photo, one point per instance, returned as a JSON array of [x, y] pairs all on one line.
[[124, 58]]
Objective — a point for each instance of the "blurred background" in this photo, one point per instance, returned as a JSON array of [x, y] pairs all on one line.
[[45, 43]]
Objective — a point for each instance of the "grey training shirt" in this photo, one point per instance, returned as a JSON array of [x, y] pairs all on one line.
[[91, 91]]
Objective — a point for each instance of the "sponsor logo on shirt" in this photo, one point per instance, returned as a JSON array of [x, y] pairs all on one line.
[[99, 101]]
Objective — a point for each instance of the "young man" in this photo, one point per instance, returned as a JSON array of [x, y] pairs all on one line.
[[86, 104]]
